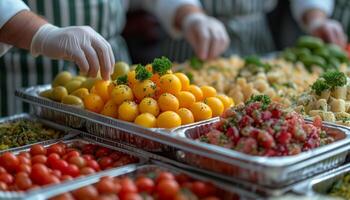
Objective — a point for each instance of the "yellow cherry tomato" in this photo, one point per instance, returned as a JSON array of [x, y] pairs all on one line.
[[167, 102], [120, 69], [144, 89], [217, 107], [89, 83], [227, 101], [146, 120], [72, 85], [185, 81], [185, 115], [122, 93], [132, 78], [128, 111], [196, 91], [186, 99], [81, 93], [201, 111], [58, 93], [170, 83], [149, 105], [208, 91], [101, 87], [168, 119], [94, 103], [110, 109]]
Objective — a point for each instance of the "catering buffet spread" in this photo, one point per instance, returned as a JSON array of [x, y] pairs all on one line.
[[229, 128]]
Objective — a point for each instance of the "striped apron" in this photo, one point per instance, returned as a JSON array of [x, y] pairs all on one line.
[[19, 69], [341, 13], [245, 22]]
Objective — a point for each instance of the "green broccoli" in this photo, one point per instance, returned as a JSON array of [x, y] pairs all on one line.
[[264, 99], [161, 65], [196, 63], [142, 73], [335, 78], [122, 80], [319, 86]]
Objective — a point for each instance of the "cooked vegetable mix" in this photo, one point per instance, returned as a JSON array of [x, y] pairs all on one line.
[[23, 132], [341, 188]]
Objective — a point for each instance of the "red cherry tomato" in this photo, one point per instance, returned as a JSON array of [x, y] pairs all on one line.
[[182, 178], [56, 148], [56, 173], [24, 160], [164, 176], [105, 162], [89, 149], [71, 170], [131, 196], [9, 161], [71, 154], [24, 154], [145, 184], [66, 178], [115, 156], [102, 151], [52, 159], [106, 186], [167, 188], [39, 159], [64, 196], [38, 173], [87, 192], [50, 179], [2, 170], [24, 168], [6, 178], [22, 181], [88, 157], [3, 186], [60, 165], [93, 164], [199, 188], [87, 171], [78, 161], [127, 186], [37, 149]]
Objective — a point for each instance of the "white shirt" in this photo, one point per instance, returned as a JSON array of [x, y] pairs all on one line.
[[8, 9]]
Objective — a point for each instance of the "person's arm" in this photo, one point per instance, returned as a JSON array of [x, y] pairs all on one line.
[[80, 44], [206, 35], [313, 17]]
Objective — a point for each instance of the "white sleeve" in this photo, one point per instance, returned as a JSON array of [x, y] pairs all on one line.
[[9, 8], [299, 7], [165, 11]]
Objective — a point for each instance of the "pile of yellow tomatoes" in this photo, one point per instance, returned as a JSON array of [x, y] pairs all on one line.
[[160, 101]]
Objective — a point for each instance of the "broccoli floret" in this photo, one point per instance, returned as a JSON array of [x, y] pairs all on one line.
[[161, 65], [122, 80], [319, 86], [196, 63], [142, 73], [335, 78], [264, 99]]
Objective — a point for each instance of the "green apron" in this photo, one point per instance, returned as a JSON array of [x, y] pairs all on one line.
[[19, 69], [245, 22], [341, 13]]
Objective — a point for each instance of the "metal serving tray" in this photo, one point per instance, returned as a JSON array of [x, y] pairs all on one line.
[[270, 172], [32, 194], [68, 132], [229, 193], [320, 185], [99, 125]]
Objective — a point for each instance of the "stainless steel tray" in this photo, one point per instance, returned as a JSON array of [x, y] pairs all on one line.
[[321, 184], [99, 125], [35, 194], [228, 192], [270, 172], [68, 133]]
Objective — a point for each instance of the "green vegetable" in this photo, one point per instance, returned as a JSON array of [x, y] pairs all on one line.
[[264, 99], [319, 86], [310, 42], [122, 80], [142, 73], [255, 65], [23, 132], [335, 78], [196, 63], [161, 65]]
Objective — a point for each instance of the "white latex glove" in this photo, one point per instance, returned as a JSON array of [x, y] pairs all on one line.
[[329, 30], [80, 44], [206, 35]]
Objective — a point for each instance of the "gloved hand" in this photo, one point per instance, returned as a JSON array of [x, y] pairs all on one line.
[[206, 35], [329, 30], [80, 44]]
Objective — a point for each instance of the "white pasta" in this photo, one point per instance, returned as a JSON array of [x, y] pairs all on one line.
[[337, 105], [321, 104], [339, 92], [329, 117], [342, 115]]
